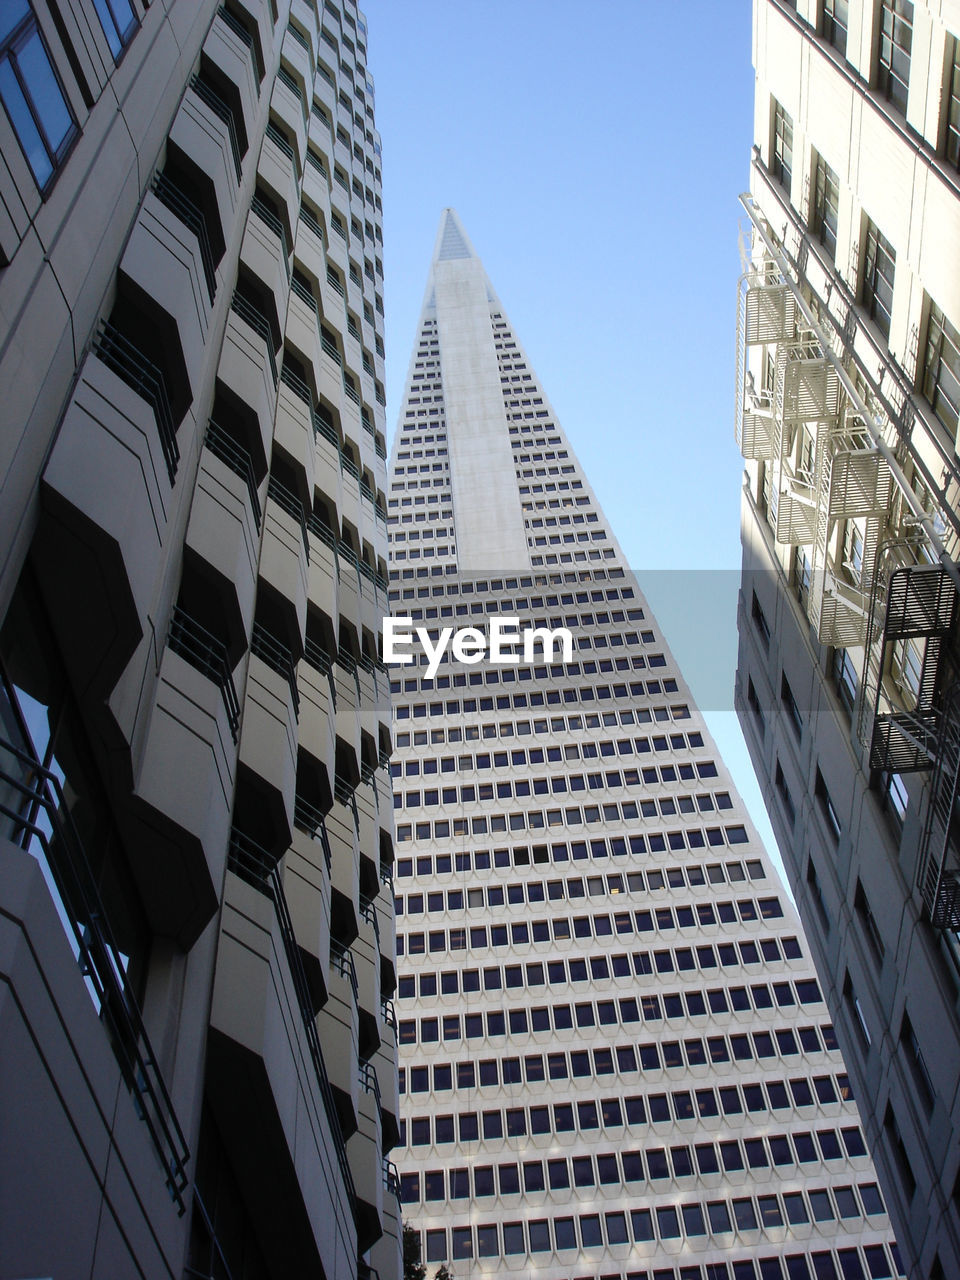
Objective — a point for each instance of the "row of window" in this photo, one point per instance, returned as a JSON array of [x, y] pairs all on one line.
[[655, 878], [665, 1223], [601, 968], [796, 1208], [622, 1060], [574, 815], [479, 937], [611, 1169], [605, 748], [625, 1010], [573, 888], [552, 697], [590, 1115]]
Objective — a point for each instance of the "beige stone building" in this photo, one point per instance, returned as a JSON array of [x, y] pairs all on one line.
[[197, 1045], [848, 399]]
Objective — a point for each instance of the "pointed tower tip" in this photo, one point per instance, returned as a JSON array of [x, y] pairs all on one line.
[[452, 240]]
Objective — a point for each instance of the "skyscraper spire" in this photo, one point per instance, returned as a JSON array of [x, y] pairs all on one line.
[[614, 1052]]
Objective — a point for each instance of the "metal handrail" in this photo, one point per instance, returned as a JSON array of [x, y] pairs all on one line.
[[296, 384], [273, 223], [308, 818], [303, 291], [368, 912], [182, 207], [259, 324], [285, 78], [207, 654], [321, 661], [391, 1178], [341, 958], [388, 1012], [278, 658], [278, 139], [34, 803], [254, 865], [237, 458], [212, 99], [291, 504], [311, 221], [142, 376]]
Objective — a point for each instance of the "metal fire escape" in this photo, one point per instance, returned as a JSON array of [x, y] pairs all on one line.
[[833, 453]]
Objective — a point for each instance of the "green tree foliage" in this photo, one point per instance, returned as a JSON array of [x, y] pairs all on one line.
[[413, 1268]]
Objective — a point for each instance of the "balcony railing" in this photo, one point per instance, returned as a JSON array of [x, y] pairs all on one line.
[[182, 207], [208, 655], [308, 818], [208, 95], [258, 322], [291, 504], [36, 816], [142, 376], [341, 958], [368, 912], [237, 458], [247, 860], [278, 658]]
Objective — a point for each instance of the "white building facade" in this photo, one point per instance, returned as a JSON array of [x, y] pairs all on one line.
[[848, 401], [615, 1057]]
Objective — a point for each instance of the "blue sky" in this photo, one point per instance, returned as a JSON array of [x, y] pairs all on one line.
[[594, 153]]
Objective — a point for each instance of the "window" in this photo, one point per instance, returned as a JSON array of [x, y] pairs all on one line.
[[879, 264], [789, 703], [826, 805], [119, 24], [941, 367], [782, 165], [826, 205], [953, 109], [32, 94], [911, 1048], [896, 36], [845, 679], [785, 797], [760, 621], [836, 20]]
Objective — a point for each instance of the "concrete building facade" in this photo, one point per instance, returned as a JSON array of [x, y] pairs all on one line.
[[848, 400], [198, 1066], [615, 1057]]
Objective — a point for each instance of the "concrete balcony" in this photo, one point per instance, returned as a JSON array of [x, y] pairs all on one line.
[[337, 1024], [296, 56], [328, 476], [306, 883], [366, 1163], [268, 739], [317, 726], [163, 259], [105, 496], [272, 1112], [324, 578], [224, 532], [246, 368], [293, 432], [308, 248], [183, 796], [386, 1257], [367, 957], [264, 254], [279, 170], [225, 49], [344, 871], [348, 714], [289, 107], [203, 137], [283, 556]]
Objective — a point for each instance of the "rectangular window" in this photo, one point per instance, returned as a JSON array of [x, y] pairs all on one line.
[[836, 21], [952, 142], [911, 1048], [941, 370], [826, 205], [782, 165], [896, 37], [119, 24], [789, 704], [826, 806], [785, 797], [879, 265], [31, 93], [845, 679], [869, 923]]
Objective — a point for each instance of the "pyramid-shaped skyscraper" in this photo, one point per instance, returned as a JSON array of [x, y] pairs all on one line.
[[615, 1057]]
